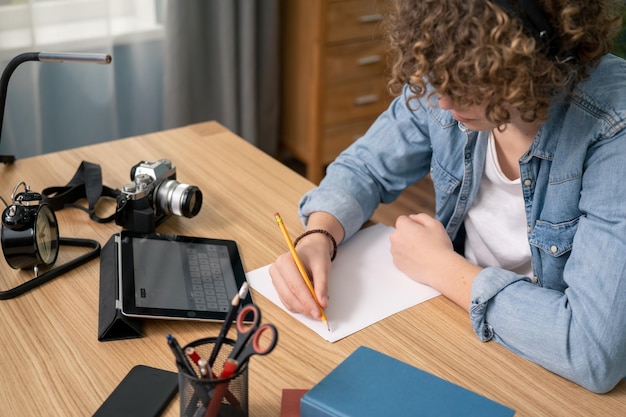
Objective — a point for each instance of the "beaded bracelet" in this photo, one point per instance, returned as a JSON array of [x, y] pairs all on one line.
[[324, 232]]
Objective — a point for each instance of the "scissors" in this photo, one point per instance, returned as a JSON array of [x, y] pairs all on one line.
[[250, 339]]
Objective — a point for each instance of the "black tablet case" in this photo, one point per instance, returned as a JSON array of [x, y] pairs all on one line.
[[112, 324]]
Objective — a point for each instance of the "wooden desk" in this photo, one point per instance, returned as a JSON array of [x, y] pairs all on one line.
[[51, 363]]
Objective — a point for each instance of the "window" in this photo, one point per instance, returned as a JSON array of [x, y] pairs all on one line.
[[74, 24]]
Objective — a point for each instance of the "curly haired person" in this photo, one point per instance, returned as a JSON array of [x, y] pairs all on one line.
[[517, 111]]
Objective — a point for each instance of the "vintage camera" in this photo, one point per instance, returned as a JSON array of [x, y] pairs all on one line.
[[153, 196]]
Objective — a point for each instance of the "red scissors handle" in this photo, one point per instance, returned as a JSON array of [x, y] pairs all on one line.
[[261, 344], [270, 341], [246, 328]]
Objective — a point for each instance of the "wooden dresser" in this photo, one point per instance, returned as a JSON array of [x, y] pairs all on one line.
[[334, 83]]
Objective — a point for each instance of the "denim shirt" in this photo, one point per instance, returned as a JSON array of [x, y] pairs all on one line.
[[571, 317]]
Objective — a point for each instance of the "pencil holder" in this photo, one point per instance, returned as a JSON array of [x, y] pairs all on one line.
[[198, 395]]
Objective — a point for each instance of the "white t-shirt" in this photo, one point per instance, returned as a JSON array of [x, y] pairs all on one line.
[[496, 223]]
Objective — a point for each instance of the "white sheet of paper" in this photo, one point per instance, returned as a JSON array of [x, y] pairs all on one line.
[[365, 286]]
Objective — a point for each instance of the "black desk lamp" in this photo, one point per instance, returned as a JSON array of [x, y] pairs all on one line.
[[42, 57], [13, 238]]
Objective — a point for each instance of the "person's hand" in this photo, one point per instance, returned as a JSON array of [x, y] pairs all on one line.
[[421, 248], [419, 245], [289, 284]]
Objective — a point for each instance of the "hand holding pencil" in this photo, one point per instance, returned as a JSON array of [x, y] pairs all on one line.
[[301, 268]]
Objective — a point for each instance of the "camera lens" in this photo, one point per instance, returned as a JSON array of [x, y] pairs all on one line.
[[179, 199]]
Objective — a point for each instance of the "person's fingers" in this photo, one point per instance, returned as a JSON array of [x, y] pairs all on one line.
[[291, 288]]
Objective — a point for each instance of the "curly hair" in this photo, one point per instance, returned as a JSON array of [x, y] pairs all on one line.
[[473, 52]]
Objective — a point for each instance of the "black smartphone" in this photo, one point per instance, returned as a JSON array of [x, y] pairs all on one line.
[[144, 392]]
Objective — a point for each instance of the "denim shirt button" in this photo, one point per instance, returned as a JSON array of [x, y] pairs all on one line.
[[554, 249], [528, 229], [534, 279], [487, 332], [528, 182]]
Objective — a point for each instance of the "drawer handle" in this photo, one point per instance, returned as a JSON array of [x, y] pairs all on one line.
[[368, 60], [368, 99], [370, 18]]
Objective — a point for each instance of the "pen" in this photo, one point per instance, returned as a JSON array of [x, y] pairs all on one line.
[[193, 355], [300, 266], [232, 311], [181, 360], [199, 361]]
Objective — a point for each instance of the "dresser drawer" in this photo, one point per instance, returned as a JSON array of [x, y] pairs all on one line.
[[354, 61], [358, 100], [353, 19], [334, 78]]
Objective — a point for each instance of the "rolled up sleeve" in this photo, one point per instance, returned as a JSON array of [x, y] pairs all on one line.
[[552, 328], [343, 206], [489, 283]]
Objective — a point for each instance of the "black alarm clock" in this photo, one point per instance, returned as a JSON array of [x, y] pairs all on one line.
[[30, 232]]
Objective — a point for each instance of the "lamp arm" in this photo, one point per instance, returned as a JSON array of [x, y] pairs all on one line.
[[43, 57]]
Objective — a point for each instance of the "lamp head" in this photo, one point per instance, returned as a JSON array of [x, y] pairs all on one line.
[[43, 57]]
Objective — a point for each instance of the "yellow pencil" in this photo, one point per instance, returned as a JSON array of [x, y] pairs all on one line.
[[300, 266]]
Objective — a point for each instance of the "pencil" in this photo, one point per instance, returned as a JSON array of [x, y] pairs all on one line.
[[300, 266], [232, 312]]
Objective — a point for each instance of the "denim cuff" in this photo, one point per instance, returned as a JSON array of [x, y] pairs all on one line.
[[487, 284], [336, 202]]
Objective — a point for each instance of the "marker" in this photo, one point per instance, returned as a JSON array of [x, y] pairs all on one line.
[[230, 367]]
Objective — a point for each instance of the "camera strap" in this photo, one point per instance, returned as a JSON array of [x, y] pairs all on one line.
[[86, 183], [53, 273]]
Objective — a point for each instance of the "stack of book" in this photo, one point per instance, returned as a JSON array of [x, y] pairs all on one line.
[[369, 383]]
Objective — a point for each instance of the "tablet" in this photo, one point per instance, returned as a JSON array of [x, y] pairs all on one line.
[[178, 277]]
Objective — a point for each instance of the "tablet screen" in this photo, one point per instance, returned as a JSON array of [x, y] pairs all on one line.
[[172, 276]]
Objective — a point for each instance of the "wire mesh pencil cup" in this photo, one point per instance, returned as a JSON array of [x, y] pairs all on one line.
[[196, 393]]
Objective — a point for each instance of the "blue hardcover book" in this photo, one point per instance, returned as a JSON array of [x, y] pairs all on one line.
[[368, 383]]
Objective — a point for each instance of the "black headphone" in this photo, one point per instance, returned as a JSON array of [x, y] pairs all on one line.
[[534, 21]]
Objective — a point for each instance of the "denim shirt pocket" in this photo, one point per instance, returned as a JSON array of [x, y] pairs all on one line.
[[554, 239], [444, 184]]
